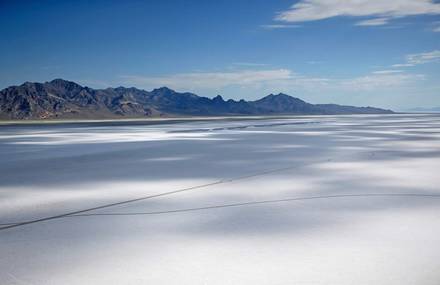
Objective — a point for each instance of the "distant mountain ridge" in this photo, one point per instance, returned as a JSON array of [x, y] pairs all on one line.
[[64, 99]]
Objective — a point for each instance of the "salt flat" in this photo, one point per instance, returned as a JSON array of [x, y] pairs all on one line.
[[299, 200]]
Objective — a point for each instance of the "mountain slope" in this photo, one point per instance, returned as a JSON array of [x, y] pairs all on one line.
[[65, 99]]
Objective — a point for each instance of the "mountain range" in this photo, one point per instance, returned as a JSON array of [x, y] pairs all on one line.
[[62, 99]]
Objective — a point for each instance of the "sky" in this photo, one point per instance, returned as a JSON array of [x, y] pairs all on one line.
[[358, 52]]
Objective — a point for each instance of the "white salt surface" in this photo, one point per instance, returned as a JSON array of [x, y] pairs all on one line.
[[372, 213]]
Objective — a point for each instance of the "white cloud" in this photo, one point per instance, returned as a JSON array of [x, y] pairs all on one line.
[[249, 64], [402, 65], [257, 80], [373, 22], [387, 71], [315, 62], [212, 80], [279, 26], [272, 80], [424, 57], [380, 82], [419, 58], [382, 10]]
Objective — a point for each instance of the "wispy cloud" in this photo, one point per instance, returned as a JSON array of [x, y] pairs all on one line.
[[419, 58], [373, 22], [381, 81], [387, 71], [402, 65], [249, 64], [273, 79], [315, 62], [424, 57], [381, 11], [279, 26], [212, 80]]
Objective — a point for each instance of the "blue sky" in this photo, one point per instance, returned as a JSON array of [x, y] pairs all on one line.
[[363, 52]]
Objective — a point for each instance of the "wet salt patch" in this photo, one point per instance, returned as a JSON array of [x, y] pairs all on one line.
[[90, 138]]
